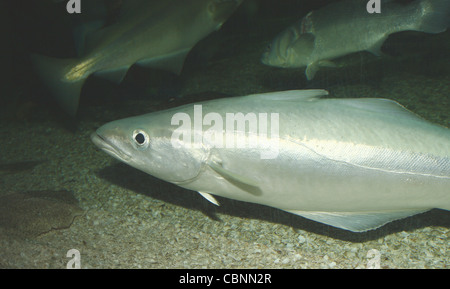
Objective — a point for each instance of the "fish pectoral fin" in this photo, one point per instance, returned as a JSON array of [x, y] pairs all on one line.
[[209, 197], [311, 70], [236, 179], [114, 75], [356, 221], [172, 62]]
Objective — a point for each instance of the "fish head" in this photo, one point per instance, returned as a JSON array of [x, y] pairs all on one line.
[[145, 142], [289, 49]]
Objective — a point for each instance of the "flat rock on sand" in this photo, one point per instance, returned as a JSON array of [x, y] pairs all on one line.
[[30, 214]]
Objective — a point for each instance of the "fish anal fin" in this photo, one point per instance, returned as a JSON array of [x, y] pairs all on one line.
[[172, 62], [356, 221], [114, 75], [381, 106], [376, 47]]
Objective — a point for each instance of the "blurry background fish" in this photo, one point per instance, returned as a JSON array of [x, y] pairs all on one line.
[[157, 34], [346, 26], [45, 28]]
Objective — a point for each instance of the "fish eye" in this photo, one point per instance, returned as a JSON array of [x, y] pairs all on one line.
[[141, 138]]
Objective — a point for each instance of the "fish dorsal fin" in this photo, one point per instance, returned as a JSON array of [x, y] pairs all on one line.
[[236, 179], [209, 197], [291, 95], [138, 10], [131, 13], [81, 32], [93, 18], [170, 62], [100, 38], [356, 221], [129, 8], [381, 106]]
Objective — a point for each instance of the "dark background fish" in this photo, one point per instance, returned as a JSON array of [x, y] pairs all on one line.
[[346, 26]]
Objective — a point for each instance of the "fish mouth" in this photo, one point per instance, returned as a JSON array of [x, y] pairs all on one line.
[[106, 146], [265, 58]]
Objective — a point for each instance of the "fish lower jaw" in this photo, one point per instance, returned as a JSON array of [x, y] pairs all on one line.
[[122, 157], [103, 144]]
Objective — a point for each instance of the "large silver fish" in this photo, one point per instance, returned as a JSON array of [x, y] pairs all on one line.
[[355, 164], [155, 33], [346, 27]]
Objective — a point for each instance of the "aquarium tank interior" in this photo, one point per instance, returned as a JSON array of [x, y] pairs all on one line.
[[225, 134]]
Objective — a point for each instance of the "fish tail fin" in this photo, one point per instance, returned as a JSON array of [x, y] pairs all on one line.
[[436, 16], [52, 71]]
